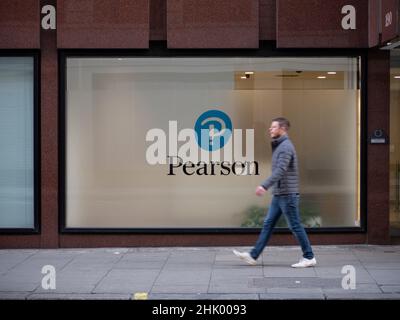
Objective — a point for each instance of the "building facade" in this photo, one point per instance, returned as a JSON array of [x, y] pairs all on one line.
[[144, 122]]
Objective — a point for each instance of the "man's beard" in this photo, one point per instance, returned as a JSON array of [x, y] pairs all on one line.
[[277, 136]]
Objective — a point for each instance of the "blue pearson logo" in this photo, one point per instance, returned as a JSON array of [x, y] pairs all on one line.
[[213, 130]]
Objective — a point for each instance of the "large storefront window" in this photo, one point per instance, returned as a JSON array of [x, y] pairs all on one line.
[[16, 142], [395, 143], [133, 159]]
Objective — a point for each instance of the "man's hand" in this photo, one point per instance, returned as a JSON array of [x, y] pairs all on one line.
[[260, 191]]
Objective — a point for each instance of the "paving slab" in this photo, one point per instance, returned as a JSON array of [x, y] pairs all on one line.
[[390, 289], [181, 288], [78, 296], [361, 274], [183, 277], [301, 291], [360, 288], [296, 282], [203, 296], [10, 259], [14, 295], [294, 296], [275, 271], [385, 277], [127, 281], [15, 285], [362, 296], [232, 288]]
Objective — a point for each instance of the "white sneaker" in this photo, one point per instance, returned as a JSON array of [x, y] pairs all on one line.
[[245, 256], [305, 263]]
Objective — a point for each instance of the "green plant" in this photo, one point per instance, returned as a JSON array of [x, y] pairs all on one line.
[[310, 217], [255, 215]]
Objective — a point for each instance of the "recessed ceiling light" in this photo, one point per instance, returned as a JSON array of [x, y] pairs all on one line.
[[321, 77], [331, 72], [243, 77], [249, 72], [396, 77]]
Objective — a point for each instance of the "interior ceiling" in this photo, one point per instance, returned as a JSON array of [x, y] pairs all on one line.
[[301, 75], [289, 80]]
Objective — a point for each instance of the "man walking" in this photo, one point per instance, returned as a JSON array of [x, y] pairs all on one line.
[[284, 182]]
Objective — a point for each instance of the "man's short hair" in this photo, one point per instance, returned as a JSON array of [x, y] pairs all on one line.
[[283, 122]]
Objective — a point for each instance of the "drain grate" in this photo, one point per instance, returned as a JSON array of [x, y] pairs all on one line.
[[286, 282]]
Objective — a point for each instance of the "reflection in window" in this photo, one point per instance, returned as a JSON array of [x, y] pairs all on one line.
[[16, 142]]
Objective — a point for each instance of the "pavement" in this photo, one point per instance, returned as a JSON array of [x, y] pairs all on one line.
[[199, 273]]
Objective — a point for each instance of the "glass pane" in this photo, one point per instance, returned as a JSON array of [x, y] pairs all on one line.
[[16, 142], [395, 143], [113, 104]]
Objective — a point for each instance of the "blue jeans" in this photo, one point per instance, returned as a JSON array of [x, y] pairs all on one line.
[[289, 205]]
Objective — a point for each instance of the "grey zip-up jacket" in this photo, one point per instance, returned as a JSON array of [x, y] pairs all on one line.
[[285, 177]]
